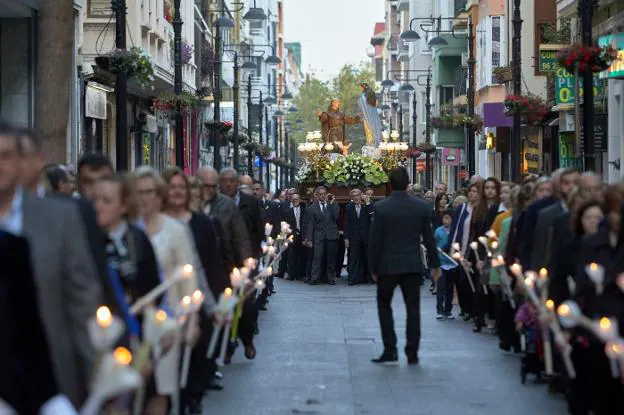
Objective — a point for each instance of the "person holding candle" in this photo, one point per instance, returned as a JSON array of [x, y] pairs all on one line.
[[174, 249], [132, 265], [202, 370]]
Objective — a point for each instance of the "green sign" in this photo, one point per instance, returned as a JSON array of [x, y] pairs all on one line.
[[564, 87], [548, 61], [616, 70], [567, 153]]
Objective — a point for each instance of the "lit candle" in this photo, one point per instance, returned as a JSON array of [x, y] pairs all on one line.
[[494, 245], [595, 272], [104, 329], [484, 241], [104, 317], [491, 234], [122, 356], [268, 228], [566, 349], [456, 246], [516, 270]]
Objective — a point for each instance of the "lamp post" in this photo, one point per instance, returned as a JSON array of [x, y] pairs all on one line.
[[121, 90], [250, 153], [260, 105], [217, 94], [235, 88], [515, 142], [586, 12], [286, 156], [400, 122], [428, 172], [414, 133], [470, 98], [267, 126], [177, 83]]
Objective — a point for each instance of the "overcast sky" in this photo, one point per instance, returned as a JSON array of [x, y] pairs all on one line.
[[332, 32]]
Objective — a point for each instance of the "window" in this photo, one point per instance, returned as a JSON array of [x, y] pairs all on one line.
[[496, 41], [446, 95]]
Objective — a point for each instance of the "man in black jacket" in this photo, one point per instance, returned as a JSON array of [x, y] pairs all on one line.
[[356, 229], [296, 266], [400, 222], [322, 232]]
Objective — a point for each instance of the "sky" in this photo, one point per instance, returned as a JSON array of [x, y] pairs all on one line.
[[332, 32]]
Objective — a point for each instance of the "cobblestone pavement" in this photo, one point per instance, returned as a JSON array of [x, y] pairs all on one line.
[[314, 351]]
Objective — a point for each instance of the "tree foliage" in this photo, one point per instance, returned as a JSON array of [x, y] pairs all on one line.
[[315, 95]]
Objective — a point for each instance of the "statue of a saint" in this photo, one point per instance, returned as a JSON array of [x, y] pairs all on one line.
[[333, 123], [370, 115]]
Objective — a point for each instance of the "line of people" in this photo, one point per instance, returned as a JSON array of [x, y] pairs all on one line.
[[109, 241], [555, 226]]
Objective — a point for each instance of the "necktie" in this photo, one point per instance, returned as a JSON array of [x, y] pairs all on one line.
[[323, 207], [297, 216], [207, 209], [357, 210]]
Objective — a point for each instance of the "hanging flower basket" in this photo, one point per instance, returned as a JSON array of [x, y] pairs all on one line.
[[219, 126], [426, 148], [412, 152], [167, 101], [592, 59], [530, 106], [501, 74], [456, 116], [133, 62]]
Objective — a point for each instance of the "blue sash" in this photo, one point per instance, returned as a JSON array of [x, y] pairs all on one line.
[[134, 328]]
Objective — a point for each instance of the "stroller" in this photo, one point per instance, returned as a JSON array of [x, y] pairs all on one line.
[[531, 362]]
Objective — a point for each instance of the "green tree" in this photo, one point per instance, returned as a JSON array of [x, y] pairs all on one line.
[[313, 96]]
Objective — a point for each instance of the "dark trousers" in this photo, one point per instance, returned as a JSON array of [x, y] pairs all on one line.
[[324, 251], [464, 292], [505, 325], [281, 270], [410, 288], [479, 301], [297, 261], [357, 264], [444, 296], [247, 322], [309, 254]]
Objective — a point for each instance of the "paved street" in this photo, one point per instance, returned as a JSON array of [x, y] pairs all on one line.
[[314, 352]]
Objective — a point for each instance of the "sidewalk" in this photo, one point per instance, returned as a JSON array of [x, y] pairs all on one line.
[[314, 351]]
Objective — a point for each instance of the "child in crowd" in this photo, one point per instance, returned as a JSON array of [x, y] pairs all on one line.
[[444, 303], [528, 326]]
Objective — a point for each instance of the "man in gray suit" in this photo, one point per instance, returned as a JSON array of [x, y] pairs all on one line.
[[64, 271], [237, 239], [400, 223], [322, 231]]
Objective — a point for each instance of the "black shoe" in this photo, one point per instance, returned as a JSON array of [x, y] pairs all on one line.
[[386, 358], [332, 282], [195, 406], [215, 385], [412, 360], [313, 283]]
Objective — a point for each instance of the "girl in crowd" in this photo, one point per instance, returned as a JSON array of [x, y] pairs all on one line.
[[196, 202], [132, 264], [174, 248], [491, 190], [202, 369], [441, 205]]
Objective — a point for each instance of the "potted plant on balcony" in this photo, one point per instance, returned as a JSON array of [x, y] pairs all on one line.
[[585, 59], [501, 74], [186, 51], [530, 106], [133, 62], [456, 116]]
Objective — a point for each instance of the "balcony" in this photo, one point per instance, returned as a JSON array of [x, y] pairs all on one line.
[[403, 50], [393, 44]]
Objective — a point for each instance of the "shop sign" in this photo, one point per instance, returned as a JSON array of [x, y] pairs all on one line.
[[548, 61], [531, 161], [564, 87], [616, 70], [567, 151]]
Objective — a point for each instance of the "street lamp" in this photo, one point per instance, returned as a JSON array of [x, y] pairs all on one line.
[[177, 83], [387, 83], [121, 89], [586, 11], [255, 14], [514, 143]]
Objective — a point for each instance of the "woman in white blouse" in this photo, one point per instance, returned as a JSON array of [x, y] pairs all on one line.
[[174, 248]]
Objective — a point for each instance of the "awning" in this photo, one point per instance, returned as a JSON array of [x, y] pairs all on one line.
[[494, 115]]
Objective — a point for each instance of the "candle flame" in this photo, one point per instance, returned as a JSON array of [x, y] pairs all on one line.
[[494, 245], [593, 266], [122, 356], [104, 316], [604, 323], [161, 316], [616, 348], [543, 273], [187, 270], [186, 301], [550, 304], [228, 292], [198, 297], [564, 310]]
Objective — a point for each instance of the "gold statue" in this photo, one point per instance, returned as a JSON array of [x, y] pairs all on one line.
[[333, 123]]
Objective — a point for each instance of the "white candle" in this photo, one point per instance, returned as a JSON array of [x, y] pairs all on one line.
[[516, 270], [595, 273], [224, 343], [268, 228]]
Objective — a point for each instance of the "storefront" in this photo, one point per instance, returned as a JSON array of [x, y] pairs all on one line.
[[615, 92]]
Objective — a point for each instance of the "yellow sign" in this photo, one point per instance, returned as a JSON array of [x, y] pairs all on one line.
[[531, 160]]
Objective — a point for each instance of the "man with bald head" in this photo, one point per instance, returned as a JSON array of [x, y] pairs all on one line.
[[246, 185]]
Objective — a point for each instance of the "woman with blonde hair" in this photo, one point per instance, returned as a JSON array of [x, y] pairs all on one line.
[[196, 199]]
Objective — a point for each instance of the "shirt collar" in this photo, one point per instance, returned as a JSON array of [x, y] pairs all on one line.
[[13, 220], [41, 192], [564, 206]]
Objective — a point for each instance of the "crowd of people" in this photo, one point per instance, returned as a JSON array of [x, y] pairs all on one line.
[[553, 225], [92, 237]]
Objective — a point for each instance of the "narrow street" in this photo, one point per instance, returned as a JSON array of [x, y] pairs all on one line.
[[314, 352]]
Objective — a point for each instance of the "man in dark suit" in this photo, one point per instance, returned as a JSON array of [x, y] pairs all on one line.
[[400, 222], [283, 209], [296, 267], [357, 226], [323, 232]]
